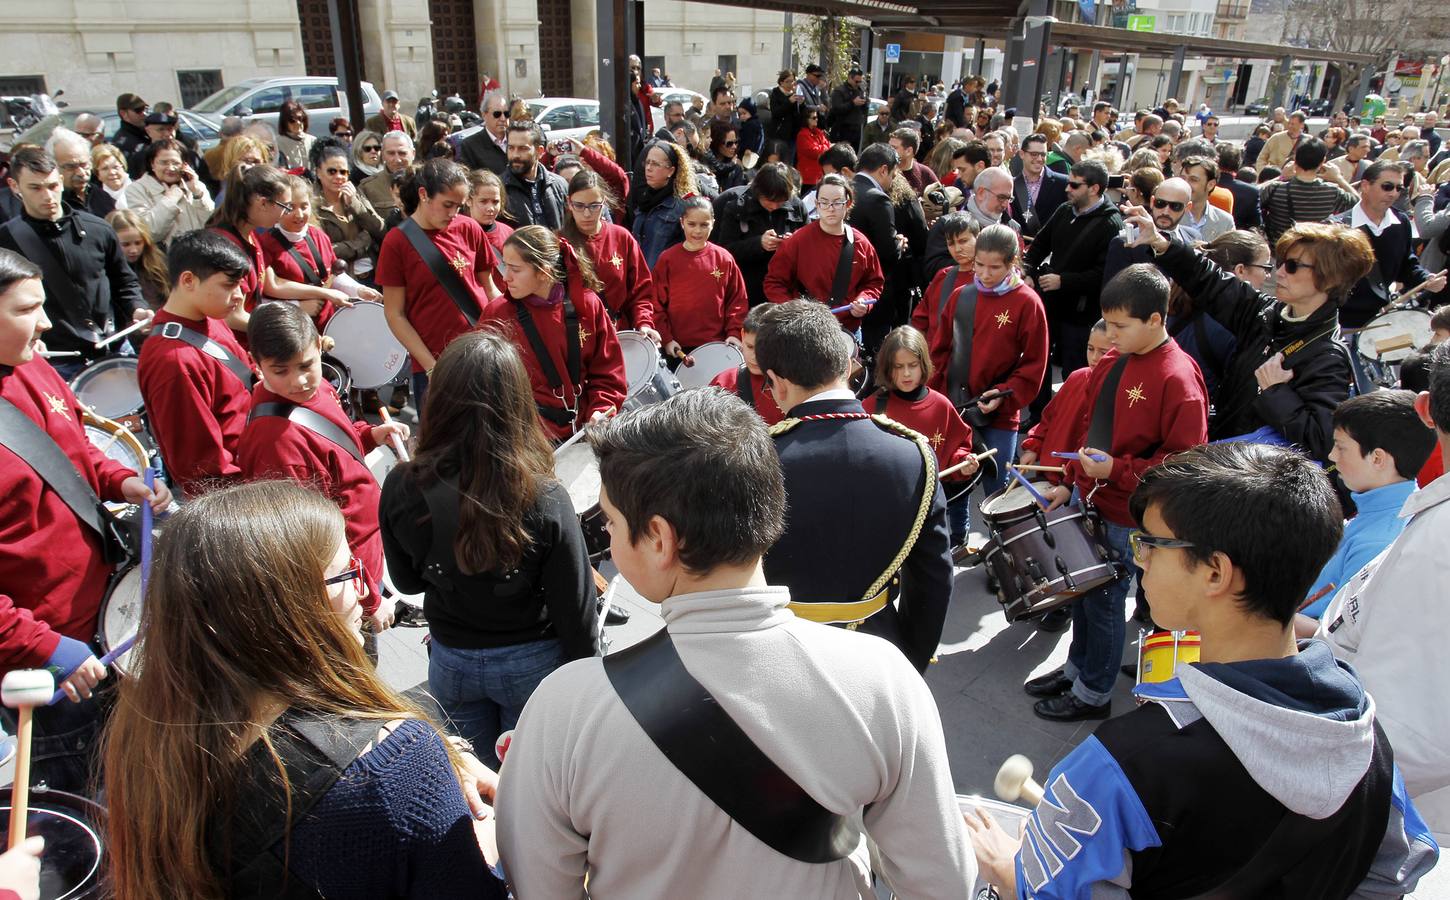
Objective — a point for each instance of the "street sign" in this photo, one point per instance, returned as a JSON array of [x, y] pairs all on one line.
[[893, 53], [1141, 23]]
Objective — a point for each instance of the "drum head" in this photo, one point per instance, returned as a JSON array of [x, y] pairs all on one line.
[[578, 470], [380, 461], [1396, 327], [641, 360], [115, 446], [1008, 815], [1007, 502], [109, 387], [121, 619], [70, 868], [710, 360], [365, 345]]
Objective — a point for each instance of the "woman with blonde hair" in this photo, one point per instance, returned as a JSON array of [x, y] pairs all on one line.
[[656, 205], [109, 164], [262, 755], [142, 254], [367, 155]]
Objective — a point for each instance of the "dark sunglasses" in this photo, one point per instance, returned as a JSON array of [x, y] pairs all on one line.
[[1075, 184], [372, 148], [1176, 206], [343, 134], [497, 113], [1391, 186], [730, 143], [1292, 266]]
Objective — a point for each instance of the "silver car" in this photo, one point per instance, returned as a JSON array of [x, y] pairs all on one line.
[[260, 99]]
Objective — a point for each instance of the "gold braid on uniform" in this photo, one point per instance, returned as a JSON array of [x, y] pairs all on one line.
[[928, 493], [781, 427]]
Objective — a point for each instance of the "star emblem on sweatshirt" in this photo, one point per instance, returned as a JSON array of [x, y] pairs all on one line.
[[459, 262], [1135, 393], [936, 441], [618, 262], [1004, 319], [584, 334], [716, 274], [57, 405]]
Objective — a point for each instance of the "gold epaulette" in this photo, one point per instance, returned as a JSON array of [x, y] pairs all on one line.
[[781, 427], [928, 493]]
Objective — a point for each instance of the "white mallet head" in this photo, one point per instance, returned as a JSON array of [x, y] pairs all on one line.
[[1015, 773], [27, 687]]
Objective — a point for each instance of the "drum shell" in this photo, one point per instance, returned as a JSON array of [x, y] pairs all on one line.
[[120, 617], [710, 360], [74, 831], [110, 386], [649, 379], [577, 469], [365, 346], [1029, 556], [1160, 652]]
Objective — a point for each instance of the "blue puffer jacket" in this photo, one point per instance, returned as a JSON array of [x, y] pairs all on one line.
[[658, 229]]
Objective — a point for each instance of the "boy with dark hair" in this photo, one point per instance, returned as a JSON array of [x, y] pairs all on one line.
[[747, 381], [194, 376], [1146, 401], [694, 495], [1266, 751], [1379, 446]]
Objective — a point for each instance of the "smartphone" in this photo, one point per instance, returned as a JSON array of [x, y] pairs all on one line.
[[1130, 233]]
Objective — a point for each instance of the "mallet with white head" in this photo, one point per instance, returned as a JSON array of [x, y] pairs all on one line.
[[1014, 780], [23, 690]]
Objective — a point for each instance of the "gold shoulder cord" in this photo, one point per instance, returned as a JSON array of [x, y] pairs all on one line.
[[928, 456], [781, 427]]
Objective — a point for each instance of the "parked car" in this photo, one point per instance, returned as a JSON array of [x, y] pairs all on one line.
[[684, 95], [195, 129], [565, 117], [1259, 107], [260, 99]]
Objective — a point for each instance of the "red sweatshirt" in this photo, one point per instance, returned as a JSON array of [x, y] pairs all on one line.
[[1059, 418], [760, 396], [629, 290], [273, 447], [284, 266], [426, 305], [51, 565], [701, 295], [1161, 409], [931, 316], [810, 143], [601, 361], [1434, 467], [197, 407], [1009, 350], [805, 266], [251, 283], [930, 414]]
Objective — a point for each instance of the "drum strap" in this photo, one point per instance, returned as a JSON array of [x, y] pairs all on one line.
[[22, 436], [572, 351], [947, 285], [314, 751], [744, 387], [700, 739], [312, 271], [448, 277], [313, 421], [841, 284], [177, 331], [959, 369], [1100, 427]]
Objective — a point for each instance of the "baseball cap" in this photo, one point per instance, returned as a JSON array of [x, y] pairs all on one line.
[[390, 95], [160, 118], [131, 102]]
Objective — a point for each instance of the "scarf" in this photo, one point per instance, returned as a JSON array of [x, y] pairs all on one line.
[[293, 236], [981, 217], [556, 296], [1012, 282], [647, 198]]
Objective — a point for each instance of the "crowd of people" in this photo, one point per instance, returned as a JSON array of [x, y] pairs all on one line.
[[1182, 336]]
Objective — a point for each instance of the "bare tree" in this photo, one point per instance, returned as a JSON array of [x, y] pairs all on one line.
[[1375, 27]]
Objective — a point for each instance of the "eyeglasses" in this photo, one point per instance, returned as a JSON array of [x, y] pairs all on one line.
[[74, 166], [285, 207], [372, 148], [1035, 154], [1292, 266], [497, 113], [652, 164], [1267, 267], [1001, 198], [331, 171], [1074, 185], [1391, 186], [353, 573], [830, 204], [729, 143], [343, 134], [1175, 205], [592, 208], [1142, 543], [89, 134]]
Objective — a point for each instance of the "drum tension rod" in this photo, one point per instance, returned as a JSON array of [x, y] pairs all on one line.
[[1068, 581]]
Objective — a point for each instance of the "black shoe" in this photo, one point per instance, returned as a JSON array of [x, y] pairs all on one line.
[[1053, 684], [616, 616], [1068, 708], [962, 555], [1056, 621]]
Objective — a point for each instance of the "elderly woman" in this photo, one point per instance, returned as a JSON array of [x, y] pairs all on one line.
[[169, 198], [109, 165]]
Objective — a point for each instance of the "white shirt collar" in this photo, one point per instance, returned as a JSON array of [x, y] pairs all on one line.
[[1358, 217], [832, 394]]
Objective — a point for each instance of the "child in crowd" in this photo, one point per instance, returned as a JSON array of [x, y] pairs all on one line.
[[1440, 325], [1146, 401], [1380, 444], [933, 315], [297, 429], [485, 202], [748, 381], [698, 286], [1053, 432], [195, 378], [903, 367]]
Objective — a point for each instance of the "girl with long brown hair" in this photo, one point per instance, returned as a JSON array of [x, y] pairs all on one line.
[[144, 257], [628, 289], [477, 523], [260, 755]]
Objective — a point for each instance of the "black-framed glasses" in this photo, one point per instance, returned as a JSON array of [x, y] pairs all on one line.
[[1175, 205], [1391, 186], [343, 134], [729, 143], [1074, 185], [1142, 543], [1292, 266], [1267, 267], [285, 207], [497, 113], [353, 573], [591, 208], [372, 148]]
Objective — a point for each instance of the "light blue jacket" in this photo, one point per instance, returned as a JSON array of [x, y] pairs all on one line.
[[1365, 537]]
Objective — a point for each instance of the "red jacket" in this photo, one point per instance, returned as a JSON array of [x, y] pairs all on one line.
[[805, 266], [1059, 418], [196, 406], [629, 290], [1009, 349], [810, 143], [51, 566], [273, 447], [931, 415], [761, 399], [1161, 409], [701, 295]]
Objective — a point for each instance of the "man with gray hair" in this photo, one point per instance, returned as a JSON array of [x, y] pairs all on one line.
[[90, 127], [488, 148], [73, 157], [397, 156], [674, 112], [991, 199]]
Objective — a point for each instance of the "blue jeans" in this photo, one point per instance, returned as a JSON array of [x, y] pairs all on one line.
[[484, 691], [420, 392], [1004, 441], [1096, 652], [959, 517]]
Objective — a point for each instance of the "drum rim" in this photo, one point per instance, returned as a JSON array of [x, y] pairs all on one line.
[[998, 495], [366, 305], [120, 438], [71, 814], [101, 366], [103, 637], [724, 346], [631, 337]]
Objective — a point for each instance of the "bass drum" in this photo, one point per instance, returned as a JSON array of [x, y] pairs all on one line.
[[365, 345], [708, 361], [75, 852]]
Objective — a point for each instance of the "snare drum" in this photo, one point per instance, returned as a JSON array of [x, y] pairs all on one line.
[[1042, 560], [131, 449], [120, 619], [1160, 652], [338, 376], [649, 378], [709, 360], [1009, 815], [578, 470], [110, 387], [1390, 337], [71, 867], [365, 345]]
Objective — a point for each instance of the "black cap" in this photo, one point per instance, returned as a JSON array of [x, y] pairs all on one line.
[[160, 118]]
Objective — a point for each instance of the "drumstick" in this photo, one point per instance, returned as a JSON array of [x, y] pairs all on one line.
[[1014, 780], [1318, 595], [136, 326], [23, 690], [1028, 467], [1064, 454], [1041, 500], [393, 440], [840, 309], [977, 457], [59, 354]]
